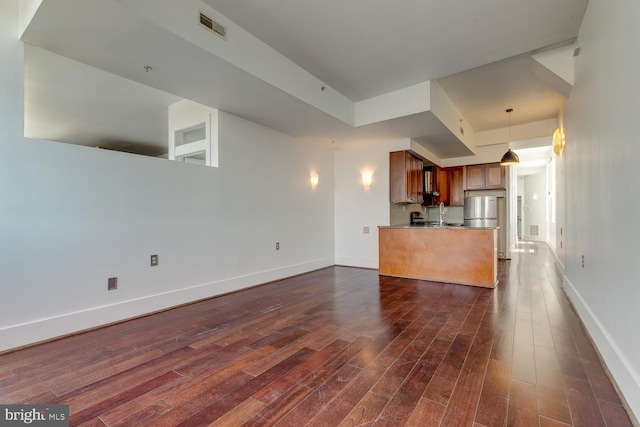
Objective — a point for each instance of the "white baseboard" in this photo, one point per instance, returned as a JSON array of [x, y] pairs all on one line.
[[619, 367], [357, 262], [21, 335], [557, 262]]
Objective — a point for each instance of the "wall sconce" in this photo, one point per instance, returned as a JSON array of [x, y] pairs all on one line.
[[558, 142], [313, 178], [535, 196], [367, 178]]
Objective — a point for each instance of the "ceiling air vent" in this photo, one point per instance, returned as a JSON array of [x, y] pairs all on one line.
[[212, 25]]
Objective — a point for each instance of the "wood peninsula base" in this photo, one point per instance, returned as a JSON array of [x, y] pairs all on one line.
[[466, 256]]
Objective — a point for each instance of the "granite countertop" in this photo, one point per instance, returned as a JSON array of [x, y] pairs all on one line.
[[438, 227]]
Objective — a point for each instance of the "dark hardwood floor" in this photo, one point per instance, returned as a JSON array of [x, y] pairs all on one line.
[[336, 347]]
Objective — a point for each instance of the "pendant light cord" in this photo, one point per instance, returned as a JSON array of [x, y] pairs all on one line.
[[509, 110]]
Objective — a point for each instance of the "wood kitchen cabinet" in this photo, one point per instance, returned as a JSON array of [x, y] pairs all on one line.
[[488, 176], [442, 184], [474, 177], [417, 178], [495, 176], [406, 177], [450, 186], [456, 186]]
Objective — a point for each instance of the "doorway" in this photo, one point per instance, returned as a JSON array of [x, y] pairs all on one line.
[[520, 213], [532, 208]]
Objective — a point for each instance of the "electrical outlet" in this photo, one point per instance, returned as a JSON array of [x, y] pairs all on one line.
[[154, 260], [112, 283], [365, 230], [277, 246], [582, 261]]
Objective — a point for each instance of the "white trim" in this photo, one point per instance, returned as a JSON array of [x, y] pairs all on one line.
[[186, 116], [535, 239], [357, 262], [15, 336], [558, 263], [619, 367]]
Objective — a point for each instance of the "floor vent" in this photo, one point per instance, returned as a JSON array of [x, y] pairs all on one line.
[[212, 25], [533, 230]]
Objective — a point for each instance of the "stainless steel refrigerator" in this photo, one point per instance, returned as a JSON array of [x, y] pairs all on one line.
[[481, 211]]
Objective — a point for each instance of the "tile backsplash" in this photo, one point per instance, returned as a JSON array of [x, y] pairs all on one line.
[[399, 214], [453, 214]]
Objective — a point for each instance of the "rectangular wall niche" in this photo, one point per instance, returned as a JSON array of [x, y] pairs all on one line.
[[193, 133]]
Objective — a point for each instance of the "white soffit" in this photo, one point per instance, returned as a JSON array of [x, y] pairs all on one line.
[[556, 68], [258, 80]]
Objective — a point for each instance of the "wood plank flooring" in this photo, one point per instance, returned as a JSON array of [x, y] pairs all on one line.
[[336, 347]]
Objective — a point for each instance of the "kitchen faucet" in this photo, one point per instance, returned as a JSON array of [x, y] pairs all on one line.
[[441, 213]]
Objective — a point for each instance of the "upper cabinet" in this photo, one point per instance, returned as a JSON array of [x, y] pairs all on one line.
[[475, 177], [495, 176], [456, 186], [442, 186], [449, 183], [406, 177], [489, 176]]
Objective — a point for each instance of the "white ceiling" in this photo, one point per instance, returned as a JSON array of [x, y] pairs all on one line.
[[477, 50], [533, 160], [364, 48], [483, 94]]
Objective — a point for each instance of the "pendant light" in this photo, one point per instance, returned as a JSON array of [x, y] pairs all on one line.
[[510, 158]]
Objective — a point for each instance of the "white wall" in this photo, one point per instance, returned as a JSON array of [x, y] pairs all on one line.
[[560, 225], [356, 207], [550, 195], [71, 216], [601, 187]]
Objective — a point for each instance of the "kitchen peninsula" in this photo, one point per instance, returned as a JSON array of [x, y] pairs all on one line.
[[462, 255]]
